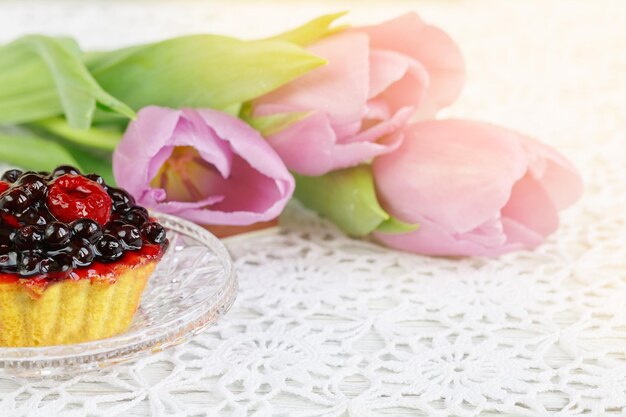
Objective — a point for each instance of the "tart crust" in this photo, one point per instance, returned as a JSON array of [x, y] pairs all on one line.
[[72, 311]]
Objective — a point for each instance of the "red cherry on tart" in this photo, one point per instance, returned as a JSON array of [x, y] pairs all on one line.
[[75, 255], [73, 197], [4, 186]]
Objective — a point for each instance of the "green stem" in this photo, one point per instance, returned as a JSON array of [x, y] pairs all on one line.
[[93, 138]]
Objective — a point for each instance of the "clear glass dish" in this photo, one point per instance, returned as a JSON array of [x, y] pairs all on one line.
[[192, 287]]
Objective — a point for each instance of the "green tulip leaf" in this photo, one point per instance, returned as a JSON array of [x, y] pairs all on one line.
[[269, 125], [100, 61], [393, 226], [34, 153], [42, 77], [348, 198], [94, 137], [200, 71], [312, 31]]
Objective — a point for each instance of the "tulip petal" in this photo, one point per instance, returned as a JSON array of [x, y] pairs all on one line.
[[384, 128], [517, 233], [489, 234], [377, 109], [157, 161], [259, 185], [432, 239], [306, 147], [354, 153], [250, 145], [249, 197], [456, 173], [187, 177], [339, 89], [193, 131], [430, 46], [530, 205], [216, 169], [397, 79], [155, 197], [310, 146], [252, 196], [556, 174], [475, 189], [131, 161], [350, 129]]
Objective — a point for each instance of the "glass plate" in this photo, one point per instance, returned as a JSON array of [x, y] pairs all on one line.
[[192, 287]]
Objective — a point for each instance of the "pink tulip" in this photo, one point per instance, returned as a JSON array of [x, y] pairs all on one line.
[[376, 79], [203, 165], [475, 189]]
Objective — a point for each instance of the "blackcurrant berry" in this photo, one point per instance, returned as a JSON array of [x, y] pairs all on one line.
[[122, 201], [86, 229], [137, 216], [28, 264], [35, 217], [113, 226], [14, 201], [34, 184], [64, 169], [109, 249], [56, 235], [61, 263], [130, 236], [153, 233], [97, 178], [6, 235], [8, 261], [64, 261], [28, 238], [49, 266], [11, 175], [83, 255]]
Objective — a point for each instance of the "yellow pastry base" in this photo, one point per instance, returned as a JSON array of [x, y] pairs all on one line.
[[71, 311]]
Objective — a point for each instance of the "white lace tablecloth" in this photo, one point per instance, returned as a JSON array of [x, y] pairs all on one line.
[[328, 326]]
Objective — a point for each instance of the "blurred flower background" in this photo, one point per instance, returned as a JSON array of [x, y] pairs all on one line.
[[483, 67]]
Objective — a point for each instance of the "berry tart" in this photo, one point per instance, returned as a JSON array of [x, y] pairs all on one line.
[[75, 256]]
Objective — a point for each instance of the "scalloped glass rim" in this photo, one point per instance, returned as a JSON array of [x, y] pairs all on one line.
[[142, 340]]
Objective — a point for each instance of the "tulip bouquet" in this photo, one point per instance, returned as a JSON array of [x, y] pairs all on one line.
[[224, 132]]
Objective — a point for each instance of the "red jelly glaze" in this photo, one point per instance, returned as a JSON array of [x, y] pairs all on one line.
[[101, 272], [10, 220], [4, 186]]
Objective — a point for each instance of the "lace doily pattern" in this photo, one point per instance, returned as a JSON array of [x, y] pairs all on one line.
[[326, 326]]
